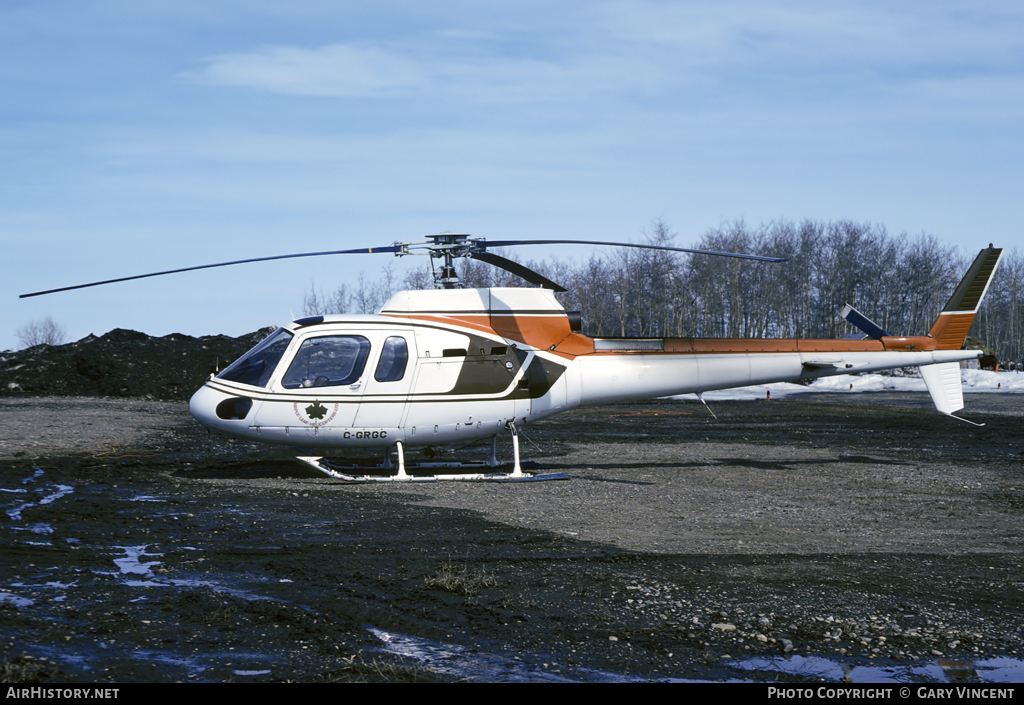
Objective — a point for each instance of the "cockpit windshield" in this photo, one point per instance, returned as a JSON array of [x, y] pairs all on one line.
[[257, 365], [328, 361]]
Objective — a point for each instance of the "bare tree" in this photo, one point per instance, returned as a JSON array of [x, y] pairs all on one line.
[[1000, 322], [366, 297], [44, 332], [314, 302]]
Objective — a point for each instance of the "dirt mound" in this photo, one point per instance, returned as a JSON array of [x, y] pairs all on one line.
[[122, 363]]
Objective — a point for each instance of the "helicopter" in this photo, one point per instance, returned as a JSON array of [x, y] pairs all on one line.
[[456, 365]]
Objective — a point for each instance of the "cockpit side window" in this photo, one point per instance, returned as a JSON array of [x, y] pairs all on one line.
[[329, 361], [394, 356], [257, 365]]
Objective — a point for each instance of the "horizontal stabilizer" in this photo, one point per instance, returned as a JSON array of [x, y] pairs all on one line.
[[858, 319]]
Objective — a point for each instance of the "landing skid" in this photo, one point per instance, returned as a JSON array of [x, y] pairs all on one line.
[[337, 469]]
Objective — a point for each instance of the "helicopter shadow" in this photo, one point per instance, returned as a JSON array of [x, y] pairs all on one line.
[[748, 463], [292, 469], [268, 469]]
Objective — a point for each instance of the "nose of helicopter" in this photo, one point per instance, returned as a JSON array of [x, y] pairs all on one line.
[[220, 411], [203, 406]]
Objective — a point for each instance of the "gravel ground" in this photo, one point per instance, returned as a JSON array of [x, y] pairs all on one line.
[[839, 531]]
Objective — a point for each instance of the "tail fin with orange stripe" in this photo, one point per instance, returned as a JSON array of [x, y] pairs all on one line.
[[950, 331], [950, 328]]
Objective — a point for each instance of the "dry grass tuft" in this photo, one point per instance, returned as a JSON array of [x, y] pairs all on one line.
[[358, 669], [460, 579]]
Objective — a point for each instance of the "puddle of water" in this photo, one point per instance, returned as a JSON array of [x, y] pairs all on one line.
[[61, 586], [1001, 670], [9, 598], [471, 665], [458, 661], [131, 563], [216, 587], [15, 513], [992, 670], [61, 490], [193, 667]]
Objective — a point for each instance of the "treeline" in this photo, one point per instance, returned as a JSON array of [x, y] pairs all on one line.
[[900, 282]]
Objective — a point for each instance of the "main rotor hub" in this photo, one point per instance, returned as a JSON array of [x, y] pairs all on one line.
[[446, 247]]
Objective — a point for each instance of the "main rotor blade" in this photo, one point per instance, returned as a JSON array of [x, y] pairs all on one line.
[[517, 269], [361, 251], [513, 243]]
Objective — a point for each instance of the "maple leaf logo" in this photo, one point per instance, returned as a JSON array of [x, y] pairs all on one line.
[[316, 411]]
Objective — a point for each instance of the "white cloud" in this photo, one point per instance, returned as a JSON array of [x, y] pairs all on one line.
[[691, 58], [469, 74], [340, 70]]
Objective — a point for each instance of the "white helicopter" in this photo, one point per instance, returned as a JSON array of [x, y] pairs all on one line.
[[454, 365]]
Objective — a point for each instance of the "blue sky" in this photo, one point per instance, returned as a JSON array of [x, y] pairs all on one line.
[[145, 136]]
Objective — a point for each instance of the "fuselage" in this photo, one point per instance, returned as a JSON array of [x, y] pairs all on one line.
[[445, 366]]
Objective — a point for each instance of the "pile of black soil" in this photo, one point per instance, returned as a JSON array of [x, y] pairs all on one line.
[[122, 363]]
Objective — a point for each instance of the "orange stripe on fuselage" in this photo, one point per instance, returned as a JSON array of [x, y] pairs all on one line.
[[553, 333], [480, 322], [541, 332], [725, 346]]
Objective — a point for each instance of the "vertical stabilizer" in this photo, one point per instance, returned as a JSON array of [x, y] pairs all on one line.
[[950, 328], [943, 382]]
